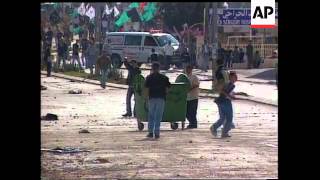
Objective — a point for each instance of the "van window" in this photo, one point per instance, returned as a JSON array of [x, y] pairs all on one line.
[[133, 40], [149, 41], [115, 40], [163, 40]]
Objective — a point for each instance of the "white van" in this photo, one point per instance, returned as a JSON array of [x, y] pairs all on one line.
[[137, 45]]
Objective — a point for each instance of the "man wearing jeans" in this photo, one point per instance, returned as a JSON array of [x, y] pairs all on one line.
[[133, 70], [225, 107], [157, 85]]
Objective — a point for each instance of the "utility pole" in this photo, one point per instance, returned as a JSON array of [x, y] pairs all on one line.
[[205, 23], [214, 40], [98, 23]]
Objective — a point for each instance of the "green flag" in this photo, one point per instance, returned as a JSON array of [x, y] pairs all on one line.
[[134, 5], [149, 12], [151, 6], [122, 19]]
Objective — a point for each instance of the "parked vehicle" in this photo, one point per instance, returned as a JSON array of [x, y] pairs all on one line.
[[137, 46]]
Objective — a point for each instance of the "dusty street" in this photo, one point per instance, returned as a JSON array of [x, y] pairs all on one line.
[[119, 150]]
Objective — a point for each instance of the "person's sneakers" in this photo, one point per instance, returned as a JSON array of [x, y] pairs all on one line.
[[213, 131], [127, 115], [225, 136], [191, 127], [150, 135], [157, 136], [232, 126]]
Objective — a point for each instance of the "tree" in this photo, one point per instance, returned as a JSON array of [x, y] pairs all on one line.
[[177, 14]]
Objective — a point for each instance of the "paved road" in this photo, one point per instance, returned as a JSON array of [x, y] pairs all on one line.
[[118, 150]]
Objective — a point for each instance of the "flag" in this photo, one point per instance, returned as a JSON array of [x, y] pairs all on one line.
[[149, 11], [91, 13], [142, 5], [134, 5], [115, 11], [151, 7], [147, 16], [134, 15], [108, 11], [82, 9], [122, 19]]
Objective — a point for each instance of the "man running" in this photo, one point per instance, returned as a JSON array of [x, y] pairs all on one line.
[[225, 107]]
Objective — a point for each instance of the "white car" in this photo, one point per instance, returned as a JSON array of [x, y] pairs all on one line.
[[136, 45]]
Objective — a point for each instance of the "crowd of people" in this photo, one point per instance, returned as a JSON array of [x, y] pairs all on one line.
[[230, 56], [86, 46]]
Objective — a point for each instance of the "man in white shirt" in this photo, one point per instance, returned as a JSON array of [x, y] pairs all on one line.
[[192, 98], [168, 52]]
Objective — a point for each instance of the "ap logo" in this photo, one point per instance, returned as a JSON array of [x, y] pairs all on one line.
[[263, 14]]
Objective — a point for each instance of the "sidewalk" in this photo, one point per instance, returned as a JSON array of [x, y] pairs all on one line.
[[264, 91], [121, 86]]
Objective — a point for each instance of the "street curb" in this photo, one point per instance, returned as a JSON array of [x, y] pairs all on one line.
[[89, 81], [120, 86], [270, 82], [252, 99]]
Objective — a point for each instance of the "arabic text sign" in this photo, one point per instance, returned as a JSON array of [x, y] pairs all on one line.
[[235, 16]]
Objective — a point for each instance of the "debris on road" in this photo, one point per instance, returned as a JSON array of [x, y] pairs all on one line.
[[49, 117], [102, 160], [77, 91], [190, 141], [84, 131], [65, 150]]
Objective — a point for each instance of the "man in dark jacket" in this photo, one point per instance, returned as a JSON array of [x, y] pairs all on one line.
[[62, 52], [235, 55], [48, 60], [154, 57], [133, 70], [241, 55], [249, 52], [84, 54]]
